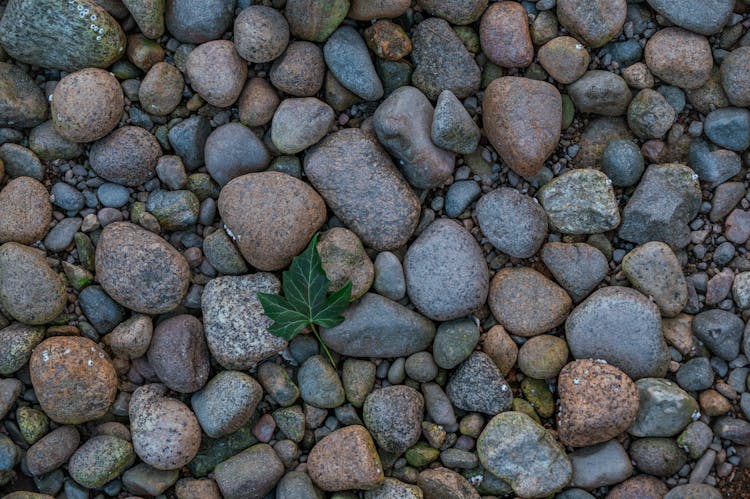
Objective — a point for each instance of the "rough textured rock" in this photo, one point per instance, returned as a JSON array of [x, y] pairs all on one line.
[[442, 483], [127, 156], [455, 11], [600, 92], [679, 57], [595, 22], [512, 222], [178, 354], [217, 72], [22, 103], [226, 403], [344, 259], [25, 211], [702, 16], [393, 415], [345, 459], [479, 370], [577, 267], [300, 123], [504, 35], [233, 150], [251, 474], [654, 270]]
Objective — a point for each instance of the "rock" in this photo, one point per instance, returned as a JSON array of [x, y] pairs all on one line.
[[51, 34], [577, 267], [149, 15], [276, 381], [735, 430], [679, 57], [347, 57], [540, 466], [19, 340], [10, 390], [271, 216], [132, 337], [512, 222], [260, 34], [454, 342], [442, 483], [446, 275], [383, 214], [729, 128], [479, 370], [597, 136], [526, 302], [73, 379], [142, 52], [389, 276], [198, 21], [358, 378], [86, 105], [641, 486], [21, 162], [378, 327], [315, 21], [233, 150], [217, 72], [693, 491], [734, 77], [543, 356], [442, 61], [25, 211], [649, 114], [223, 255], [344, 260], [522, 121], [597, 403], [175, 210], [704, 17], [600, 92], [188, 139], [453, 128], [394, 489], [665, 409], [345, 459], [504, 35], [127, 156], [165, 433], [720, 331], [300, 123], [455, 12], [387, 40], [319, 384], [654, 270], [460, 196], [393, 415], [143, 479], [600, 465], [240, 339], [737, 226], [403, 124], [580, 201], [161, 89], [564, 58], [623, 163], [621, 326], [193, 488], [99, 460], [297, 484], [657, 456], [595, 23], [258, 102], [178, 354], [102, 311], [364, 10], [22, 103], [710, 96], [251, 474], [30, 291], [300, 71], [49, 145], [52, 450], [140, 270], [665, 201]]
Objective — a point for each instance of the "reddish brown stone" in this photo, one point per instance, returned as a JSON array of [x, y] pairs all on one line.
[[25, 211], [504, 35], [388, 40], [639, 487], [345, 459], [679, 57]]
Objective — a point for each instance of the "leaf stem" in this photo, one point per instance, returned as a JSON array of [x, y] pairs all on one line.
[[322, 343]]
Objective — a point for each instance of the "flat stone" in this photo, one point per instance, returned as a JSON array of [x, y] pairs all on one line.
[[654, 270], [479, 370], [52, 450], [665, 409], [577, 267], [345, 459], [600, 465]]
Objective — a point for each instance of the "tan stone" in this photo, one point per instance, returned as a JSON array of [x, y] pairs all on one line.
[[345, 459]]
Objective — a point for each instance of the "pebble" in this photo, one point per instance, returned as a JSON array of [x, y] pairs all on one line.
[[226, 403], [512, 222], [564, 58], [454, 342], [132, 337], [233, 150], [695, 375], [649, 114], [161, 89], [735, 430], [455, 11], [22, 103], [296, 484], [443, 483], [623, 163], [223, 254], [260, 34], [198, 21], [258, 102], [657, 456], [594, 23], [299, 71], [522, 120], [192, 488], [665, 409], [737, 226], [344, 260], [600, 465], [452, 126], [694, 491], [729, 128], [188, 139], [102, 311], [577, 267], [127, 156], [178, 354], [25, 211], [479, 370], [702, 17], [217, 72], [600, 92], [679, 57], [389, 276], [319, 384], [113, 195], [21, 162], [10, 390], [595, 138], [19, 340], [300, 123], [387, 40], [394, 489], [720, 331], [52, 450], [642, 486], [393, 416], [348, 59], [66, 197], [345, 459], [252, 473], [363, 10], [446, 276], [654, 270], [734, 76], [712, 164], [315, 21], [99, 460], [542, 357], [504, 35], [143, 479]]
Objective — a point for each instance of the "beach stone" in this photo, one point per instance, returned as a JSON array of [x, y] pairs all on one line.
[[600, 92], [240, 339], [132, 337], [378, 327], [728, 127], [654, 270], [393, 416], [446, 275], [442, 61], [580, 201], [86, 105], [175, 210], [460, 196], [623, 163], [140, 270], [198, 21], [22, 103], [143, 479], [344, 260], [161, 89], [512, 222], [271, 216], [30, 291], [704, 17], [597, 402], [522, 121], [223, 254], [479, 369], [165, 432], [526, 303], [734, 76], [543, 356], [102, 311], [694, 491], [385, 214], [19, 161], [453, 128], [394, 489], [149, 15], [25, 211], [600, 465], [300, 123], [455, 11], [217, 72], [347, 57], [720, 331], [178, 354], [679, 57], [403, 124], [53, 34], [315, 21], [297, 484], [188, 139], [73, 379], [345, 459], [358, 377], [52, 450], [593, 22], [10, 390], [597, 136], [99, 460], [710, 96], [49, 145], [226, 403], [260, 34], [299, 71], [621, 326], [127, 156], [251, 474], [258, 102], [665, 409], [504, 35], [233, 150], [442, 483], [389, 276], [387, 40], [454, 342], [364, 10], [649, 114], [639, 486], [564, 58], [657, 456], [319, 384], [665, 201], [19, 340], [276, 381], [540, 466], [577, 267]]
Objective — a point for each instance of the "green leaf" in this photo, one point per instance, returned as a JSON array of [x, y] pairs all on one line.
[[287, 322], [330, 314]]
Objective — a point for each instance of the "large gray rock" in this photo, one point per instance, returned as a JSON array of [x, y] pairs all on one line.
[[702, 16], [600, 465], [349, 60], [378, 327], [665, 409]]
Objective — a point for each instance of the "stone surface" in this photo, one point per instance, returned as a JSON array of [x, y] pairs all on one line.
[[654, 270], [453, 128], [251, 474], [300, 123], [704, 17], [315, 21], [455, 12], [25, 211], [178, 354], [564, 58], [454, 342], [19, 340], [650, 116], [345, 459], [600, 92], [393, 416], [665, 409], [347, 57], [720, 331], [344, 259], [217, 72], [198, 21], [99, 460], [577, 267], [679, 57], [594, 22], [22, 103], [479, 370], [600, 465], [512, 222], [734, 77], [504, 35], [233, 150], [52, 450], [260, 34], [127, 156]]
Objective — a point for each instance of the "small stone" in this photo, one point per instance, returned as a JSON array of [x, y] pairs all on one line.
[[149, 15], [226, 403], [364, 10], [600, 465], [623, 163], [66, 197], [720, 331], [315, 21], [178, 354], [679, 57], [142, 52], [729, 127], [654, 270], [25, 211], [188, 139], [223, 254], [300, 123], [260, 34], [19, 340], [694, 491], [595, 23], [479, 370], [161, 89], [278, 384], [454, 342], [347, 57], [345, 459], [577, 267], [512, 222], [143, 479], [394, 489], [542, 357], [344, 260], [659, 398], [102, 311], [564, 58], [252, 473], [132, 337], [702, 17], [217, 72], [452, 126], [127, 156], [641, 486], [319, 384], [22, 103], [100, 460], [192, 488], [695, 374], [460, 196], [649, 114], [258, 102], [504, 35], [175, 210], [52, 450], [657, 456], [198, 21], [455, 11], [600, 92], [597, 136], [393, 415], [387, 40]]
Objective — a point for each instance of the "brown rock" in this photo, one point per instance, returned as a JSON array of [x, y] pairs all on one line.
[[564, 58], [272, 216], [442, 483], [132, 337], [161, 89], [140, 270], [127, 156], [260, 34], [300, 70], [595, 22], [522, 121], [678, 331], [217, 72], [194, 488], [639, 487], [526, 302], [713, 403], [500, 347], [178, 354], [25, 211], [597, 403], [388, 40], [344, 259], [504, 35], [52, 450], [143, 53], [73, 379], [257, 103], [679, 57], [87, 105], [345, 459], [366, 10]]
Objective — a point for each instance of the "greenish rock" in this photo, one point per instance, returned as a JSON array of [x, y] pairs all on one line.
[[291, 421], [22, 103], [568, 111], [521, 405], [223, 254], [489, 484], [78, 277], [454, 342], [478, 165], [394, 489], [213, 451], [203, 186], [85, 249], [490, 73], [344, 260], [49, 145], [291, 165], [649, 114], [393, 74], [665, 409], [149, 15], [68, 35], [358, 378], [100, 460], [537, 393], [175, 210], [33, 424], [597, 135], [469, 37], [314, 20], [543, 356], [144, 53], [581, 201], [145, 480], [696, 438], [125, 70], [319, 384], [421, 454], [18, 341], [657, 456]]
